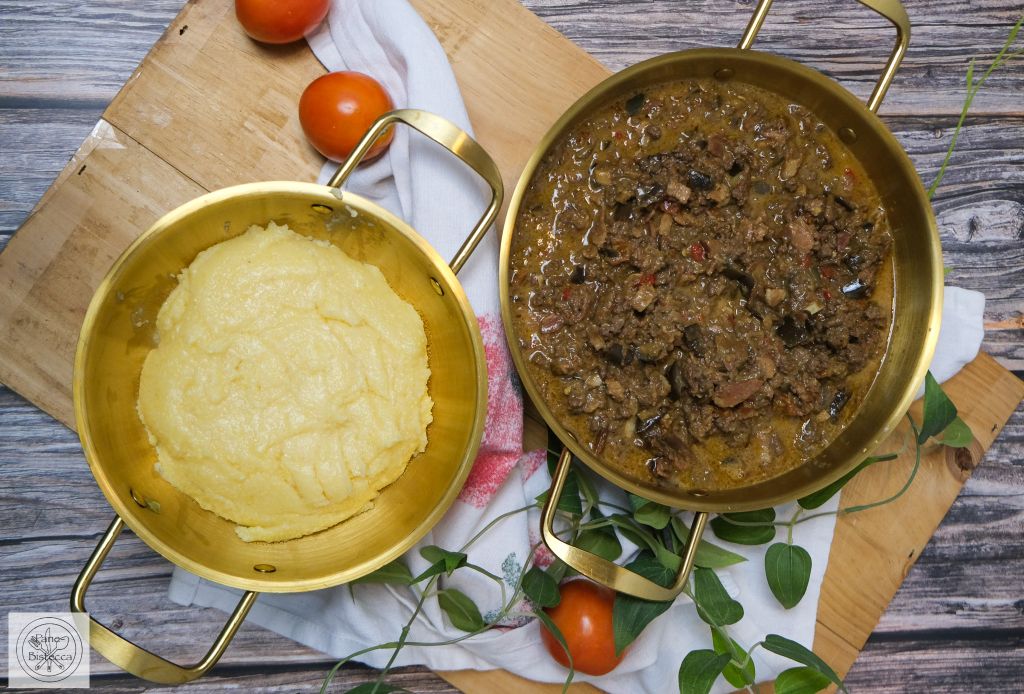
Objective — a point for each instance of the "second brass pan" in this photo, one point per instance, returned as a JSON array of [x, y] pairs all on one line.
[[917, 259]]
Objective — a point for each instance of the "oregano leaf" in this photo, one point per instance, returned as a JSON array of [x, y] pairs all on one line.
[[461, 610], [788, 570], [714, 605], [569, 502], [588, 489], [598, 541], [759, 534], [395, 573], [734, 675], [796, 652], [816, 499], [630, 615], [443, 561], [709, 556], [541, 588], [557, 570], [939, 410], [549, 624], [699, 670], [452, 560], [957, 434], [650, 513], [637, 534], [800, 680]]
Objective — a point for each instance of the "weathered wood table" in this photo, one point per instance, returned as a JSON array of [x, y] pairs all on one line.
[[958, 622]]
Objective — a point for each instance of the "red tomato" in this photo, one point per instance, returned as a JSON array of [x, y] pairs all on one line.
[[337, 109], [584, 616], [280, 21]]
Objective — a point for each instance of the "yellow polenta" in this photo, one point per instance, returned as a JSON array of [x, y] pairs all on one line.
[[289, 385]]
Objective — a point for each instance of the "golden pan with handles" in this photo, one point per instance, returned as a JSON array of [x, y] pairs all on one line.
[[917, 262], [118, 332]]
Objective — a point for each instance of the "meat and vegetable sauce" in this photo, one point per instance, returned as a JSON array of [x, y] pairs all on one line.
[[701, 284]]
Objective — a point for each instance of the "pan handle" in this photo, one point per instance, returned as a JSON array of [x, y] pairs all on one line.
[[135, 659], [456, 141], [603, 571], [890, 9]]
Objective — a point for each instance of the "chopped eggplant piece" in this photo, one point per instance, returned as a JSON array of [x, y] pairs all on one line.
[[844, 204], [579, 274], [745, 279], [615, 354], [793, 332], [699, 180], [855, 289], [634, 104], [645, 425], [694, 338], [838, 403]]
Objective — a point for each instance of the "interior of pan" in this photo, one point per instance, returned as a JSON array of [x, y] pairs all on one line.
[[119, 331], [917, 259]]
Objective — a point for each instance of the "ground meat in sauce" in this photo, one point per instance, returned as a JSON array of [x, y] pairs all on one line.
[[701, 284]]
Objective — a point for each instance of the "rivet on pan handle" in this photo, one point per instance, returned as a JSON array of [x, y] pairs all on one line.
[[890, 9], [137, 660], [603, 571], [456, 141]]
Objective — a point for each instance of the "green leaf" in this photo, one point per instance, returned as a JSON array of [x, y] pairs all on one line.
[[816, 499], [588, 489], [396, 573], [569, 502], [443, 561], [788, 648], [733, 674], [377, 688], [714, 605], [541, 588], [800, 680], [939, 410], [550, 625], [600, 541], [957, 434], [635, 533], [788, 570], [635, 103], [746, 534], [708, 555], [630, 615], [463, 612], [699, 670], [649, 513], [557, 570]]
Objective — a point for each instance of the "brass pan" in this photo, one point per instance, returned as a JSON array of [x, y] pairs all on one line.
[[917, 257], [118, 332]]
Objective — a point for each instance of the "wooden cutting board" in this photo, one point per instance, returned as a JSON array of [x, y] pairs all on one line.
[[209, 108]]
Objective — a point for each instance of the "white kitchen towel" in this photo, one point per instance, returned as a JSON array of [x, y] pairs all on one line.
[[441, 199]]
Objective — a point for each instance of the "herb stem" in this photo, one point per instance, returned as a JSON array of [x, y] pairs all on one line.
[[495, 521], [972, 90]]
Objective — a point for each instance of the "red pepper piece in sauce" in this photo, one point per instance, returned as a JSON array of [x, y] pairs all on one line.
[[697, 252], [566, 293]]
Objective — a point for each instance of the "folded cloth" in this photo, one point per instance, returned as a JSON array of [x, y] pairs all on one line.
[[423, 184]]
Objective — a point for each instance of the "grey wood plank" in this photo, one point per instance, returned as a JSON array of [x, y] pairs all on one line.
[[844, 39], [59, 51]]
